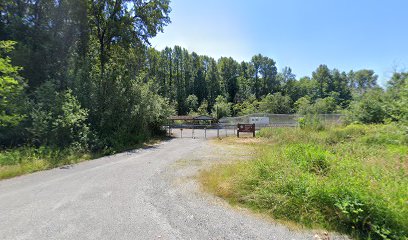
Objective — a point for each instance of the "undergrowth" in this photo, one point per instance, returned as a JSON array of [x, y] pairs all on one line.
[[350, 179], [18, 161], [28, 159]]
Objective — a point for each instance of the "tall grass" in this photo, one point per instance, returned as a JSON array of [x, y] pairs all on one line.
[[18, 161], [351, 179], [23, 160]]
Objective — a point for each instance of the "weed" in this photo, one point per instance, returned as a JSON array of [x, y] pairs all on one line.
[[352, 179]]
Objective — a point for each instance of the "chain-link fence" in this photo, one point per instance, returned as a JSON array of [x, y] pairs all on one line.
[[227, 126], [276, 120]]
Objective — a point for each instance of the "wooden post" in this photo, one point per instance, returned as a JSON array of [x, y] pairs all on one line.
[[237, 130], [253, 125]]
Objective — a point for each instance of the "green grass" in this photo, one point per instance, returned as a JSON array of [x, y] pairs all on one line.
[[350, 179], [19, 161], [23, 160]]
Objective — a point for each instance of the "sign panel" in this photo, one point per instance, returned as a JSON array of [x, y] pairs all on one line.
[[246, 128], [259, 120]]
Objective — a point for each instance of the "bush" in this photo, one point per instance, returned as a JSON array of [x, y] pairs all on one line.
[[304, 106], [397, 104], [275, 103], [221, 108], [311, 122], [192, 103], [368, 108], [58, 119]]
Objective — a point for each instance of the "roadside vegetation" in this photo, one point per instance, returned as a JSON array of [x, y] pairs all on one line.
[[28, 159], [79, 78], [24, 160], [350, 179]]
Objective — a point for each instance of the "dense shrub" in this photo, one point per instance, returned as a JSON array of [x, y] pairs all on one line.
[[275, 103], [221, 108], [312, 122], [58, 119], [397, 104], [368, 108], [306, 106]]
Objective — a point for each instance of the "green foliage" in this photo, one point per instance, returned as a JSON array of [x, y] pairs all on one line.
[[363, 80], [123, 109], [378, 106], [58, 119], [11, 87], [368, 108], [275, 103], [325, 105], [93, 82], [305, 106], [221, 108], [349, 179], [192, 103], [249, 106], [348, 133], [202, 110], [265, 76], [18, 161], [228, 69], [323, 79], [309, 158], [311, 122], [397, 98]]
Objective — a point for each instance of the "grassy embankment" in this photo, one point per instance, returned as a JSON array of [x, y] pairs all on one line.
[[18, 161], [350, 179]]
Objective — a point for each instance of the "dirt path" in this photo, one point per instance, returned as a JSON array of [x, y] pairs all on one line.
[[143, 194]]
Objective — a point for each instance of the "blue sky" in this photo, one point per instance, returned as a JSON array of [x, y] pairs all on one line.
[[301, 34]]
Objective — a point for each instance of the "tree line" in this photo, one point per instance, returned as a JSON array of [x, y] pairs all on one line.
[[82, 74], [201, 84], [80, 80]]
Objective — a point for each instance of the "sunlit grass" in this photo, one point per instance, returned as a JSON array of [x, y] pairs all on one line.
[[23, 160], [351, 179], [15, 162]]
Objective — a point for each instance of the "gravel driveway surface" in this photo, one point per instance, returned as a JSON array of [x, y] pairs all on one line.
[[143, 194]]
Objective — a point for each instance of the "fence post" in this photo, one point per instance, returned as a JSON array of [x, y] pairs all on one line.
[[205, 132], [218, 131], [181, 132], [192, 132]]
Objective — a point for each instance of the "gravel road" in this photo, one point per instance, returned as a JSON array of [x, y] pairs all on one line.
[[141, 194]]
